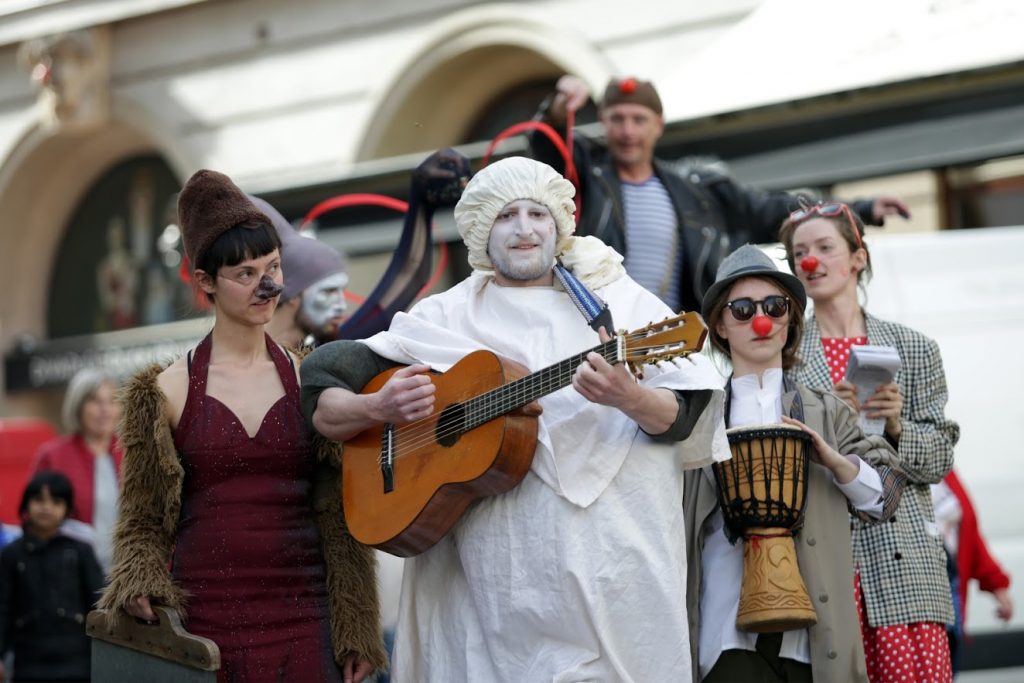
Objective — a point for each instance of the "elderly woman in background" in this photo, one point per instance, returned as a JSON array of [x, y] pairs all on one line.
[[89, 454]]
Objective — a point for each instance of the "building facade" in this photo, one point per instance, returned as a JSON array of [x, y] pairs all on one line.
[[107, 107]]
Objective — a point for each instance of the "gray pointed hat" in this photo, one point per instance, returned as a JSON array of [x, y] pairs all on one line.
[[304, 260], [749, 261]]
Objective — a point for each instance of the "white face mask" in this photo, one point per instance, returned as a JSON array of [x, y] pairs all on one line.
[[521, 245], [323, 305]]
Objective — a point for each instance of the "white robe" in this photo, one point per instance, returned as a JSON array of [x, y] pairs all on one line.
[[578, 573]]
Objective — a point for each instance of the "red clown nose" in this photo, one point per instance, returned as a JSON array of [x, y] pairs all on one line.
[[762, 325], [808, 264], [627, 86]]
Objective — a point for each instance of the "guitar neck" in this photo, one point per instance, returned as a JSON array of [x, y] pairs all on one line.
[[518, 393]]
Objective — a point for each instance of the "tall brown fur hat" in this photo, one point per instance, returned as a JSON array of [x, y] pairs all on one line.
[[631, 91], [208, 206]]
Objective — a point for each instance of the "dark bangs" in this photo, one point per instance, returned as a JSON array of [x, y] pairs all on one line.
[[58, 485], [247, 240], [796, 321]]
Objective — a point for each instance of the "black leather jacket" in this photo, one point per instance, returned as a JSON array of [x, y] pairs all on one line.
[[714, 213]]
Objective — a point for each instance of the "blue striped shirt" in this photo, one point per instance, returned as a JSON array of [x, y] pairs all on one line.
[[653, 254]]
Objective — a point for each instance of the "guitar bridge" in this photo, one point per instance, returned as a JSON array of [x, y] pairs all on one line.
[[387, 457]]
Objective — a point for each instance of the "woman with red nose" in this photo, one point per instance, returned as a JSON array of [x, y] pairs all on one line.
[[754, 314], [901, 584]]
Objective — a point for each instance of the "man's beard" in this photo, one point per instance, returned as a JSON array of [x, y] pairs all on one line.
[[324, 326], [524, 270]]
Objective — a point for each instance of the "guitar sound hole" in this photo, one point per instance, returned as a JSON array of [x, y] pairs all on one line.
[[451, 425]]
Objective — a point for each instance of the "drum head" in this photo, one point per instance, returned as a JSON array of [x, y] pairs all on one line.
[[764, 484]]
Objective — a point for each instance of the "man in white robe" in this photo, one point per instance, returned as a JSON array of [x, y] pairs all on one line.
[[579, 572]]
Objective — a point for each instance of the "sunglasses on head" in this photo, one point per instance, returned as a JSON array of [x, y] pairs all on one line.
[[829, 210], [743, 309]]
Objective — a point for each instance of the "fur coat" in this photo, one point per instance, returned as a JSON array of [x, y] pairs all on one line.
[[152, 479]]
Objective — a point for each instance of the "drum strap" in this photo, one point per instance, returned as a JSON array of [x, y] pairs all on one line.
[[796, 411]]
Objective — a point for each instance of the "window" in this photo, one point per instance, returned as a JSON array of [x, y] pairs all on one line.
[[987, 204], [518, 103], [117, 266]]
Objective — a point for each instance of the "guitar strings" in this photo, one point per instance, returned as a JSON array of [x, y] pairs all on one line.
[[427, 437], [514, 397], [422, 432], [430, 435]]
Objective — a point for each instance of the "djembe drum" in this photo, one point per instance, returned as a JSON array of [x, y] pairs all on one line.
[[762, 491]]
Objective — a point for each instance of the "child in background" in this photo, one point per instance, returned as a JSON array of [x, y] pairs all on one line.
[[48, 583]]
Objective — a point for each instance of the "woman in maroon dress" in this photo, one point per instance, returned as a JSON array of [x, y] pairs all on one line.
[[223, 481]]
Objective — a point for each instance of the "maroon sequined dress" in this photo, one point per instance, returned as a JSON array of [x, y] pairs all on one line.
[[248, 550]]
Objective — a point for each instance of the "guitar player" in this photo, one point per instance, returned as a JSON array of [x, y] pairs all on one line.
[[579, 571]]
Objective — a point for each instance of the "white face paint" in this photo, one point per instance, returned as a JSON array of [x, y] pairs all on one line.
[[323, 305], [522, 244]]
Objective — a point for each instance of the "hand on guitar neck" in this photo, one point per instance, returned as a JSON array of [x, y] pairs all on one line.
[[599, 381]]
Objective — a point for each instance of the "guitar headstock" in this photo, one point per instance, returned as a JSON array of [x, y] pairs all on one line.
[[670, 338]]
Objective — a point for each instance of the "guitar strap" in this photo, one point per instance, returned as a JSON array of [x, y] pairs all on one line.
[[595, 311]]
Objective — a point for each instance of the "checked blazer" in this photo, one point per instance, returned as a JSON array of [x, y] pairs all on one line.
[[902, 563]]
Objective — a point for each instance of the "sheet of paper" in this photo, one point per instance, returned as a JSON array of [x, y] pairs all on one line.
[[868, 368]]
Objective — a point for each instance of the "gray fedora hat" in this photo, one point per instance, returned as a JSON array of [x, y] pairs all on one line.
[[749, 261]]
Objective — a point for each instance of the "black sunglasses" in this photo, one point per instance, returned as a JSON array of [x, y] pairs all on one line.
[[774, 306]]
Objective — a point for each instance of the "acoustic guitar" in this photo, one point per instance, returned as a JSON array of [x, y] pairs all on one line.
[[404, 487]]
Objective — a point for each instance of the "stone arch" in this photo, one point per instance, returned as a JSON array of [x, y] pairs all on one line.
[[465, 61], [43, 177]]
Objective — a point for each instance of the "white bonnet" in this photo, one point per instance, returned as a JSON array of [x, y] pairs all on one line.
[[505, 181]]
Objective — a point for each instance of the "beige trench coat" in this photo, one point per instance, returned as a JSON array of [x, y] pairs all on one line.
[[823, 545]]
